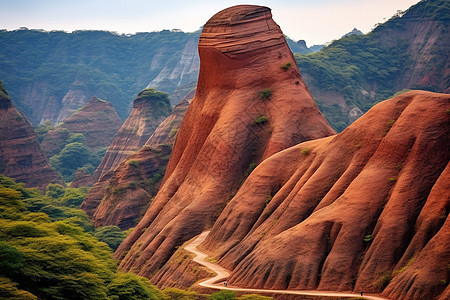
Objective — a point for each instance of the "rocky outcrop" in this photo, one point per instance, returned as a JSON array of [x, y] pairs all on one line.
[[21, 156], [97, 121], [181, 77], [126, 194], [74, 99], [250, 103], [150, 108], [366, 209]]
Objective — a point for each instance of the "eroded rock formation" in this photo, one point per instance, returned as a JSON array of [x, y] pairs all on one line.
[[150, 108], [97, 121], [21, 156], [126, 194], [363, 210], [250, 103]]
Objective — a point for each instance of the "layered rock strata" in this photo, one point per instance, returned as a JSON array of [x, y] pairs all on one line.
[[98, 121], [150, 108], [125, 196], [21, 156], [250, 103], [363, 210]]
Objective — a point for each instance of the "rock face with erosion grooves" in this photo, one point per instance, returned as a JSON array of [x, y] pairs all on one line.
[[126, 195], [21, 156], [97, 121], [363, 210], [150, 108], [250, 103]]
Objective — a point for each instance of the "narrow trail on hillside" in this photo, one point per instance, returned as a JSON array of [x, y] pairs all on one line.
[[222, 274]]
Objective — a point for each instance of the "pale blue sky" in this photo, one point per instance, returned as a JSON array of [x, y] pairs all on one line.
[[316, 21]]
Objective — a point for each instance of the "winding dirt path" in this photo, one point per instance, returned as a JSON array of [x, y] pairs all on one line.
[[217, 282]]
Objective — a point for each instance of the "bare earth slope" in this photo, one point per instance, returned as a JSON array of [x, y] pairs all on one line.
[[363, 210], [21, 156], [250, 103]]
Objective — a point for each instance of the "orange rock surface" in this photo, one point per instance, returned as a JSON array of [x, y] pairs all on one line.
[[366, 209], [21, 156], [250, 103]]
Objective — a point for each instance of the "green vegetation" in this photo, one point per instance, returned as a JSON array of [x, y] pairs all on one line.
[[111, 235], [365, 69], [41, 130], [110, 66], [261, 120], [286, 66], [265, 93], [368, 238], [401, 270], [305, 151], [383, 280], [250, 169], [76, 155], [231, 295]]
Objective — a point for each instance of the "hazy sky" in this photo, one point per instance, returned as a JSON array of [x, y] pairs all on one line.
[[316, 21]]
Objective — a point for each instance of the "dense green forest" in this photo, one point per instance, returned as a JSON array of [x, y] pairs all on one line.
[[111, 66], [50, 250], [367, 69]]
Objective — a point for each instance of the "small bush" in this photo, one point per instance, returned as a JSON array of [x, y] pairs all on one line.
[[368, 238], [261, 120], [265, 93], [286, 66], [222, 295], [305, 151]]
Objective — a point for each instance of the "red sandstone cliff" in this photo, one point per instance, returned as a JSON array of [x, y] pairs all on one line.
[[363, 210], [150, 108], [97, 121], [250, 103], [21, 156], [126, 194]]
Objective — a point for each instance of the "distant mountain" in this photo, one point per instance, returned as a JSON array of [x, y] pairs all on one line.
[[353, 32], [300, 47], [21, 156], [52, 74], [410, 51]]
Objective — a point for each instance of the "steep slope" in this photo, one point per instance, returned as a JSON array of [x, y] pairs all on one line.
[[410, 51], [125, 195], [51, 74], [97, 121], [21, 156], [150, 108], [250, 103], [366, 209]]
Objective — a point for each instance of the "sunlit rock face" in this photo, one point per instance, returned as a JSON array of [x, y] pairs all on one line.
[[250, 103]]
